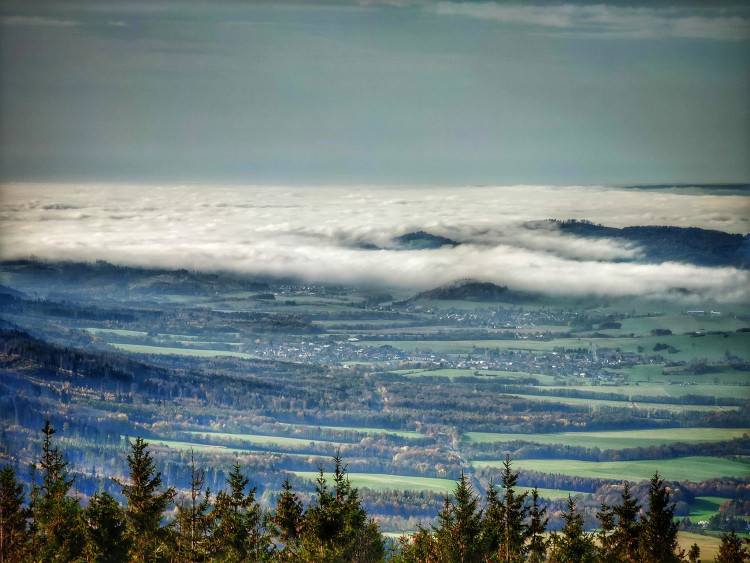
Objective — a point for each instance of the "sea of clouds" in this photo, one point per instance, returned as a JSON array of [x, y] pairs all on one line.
[[342, 235]]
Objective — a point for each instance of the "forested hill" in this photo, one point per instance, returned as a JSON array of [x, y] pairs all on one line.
[[702, 247], [472, 290]]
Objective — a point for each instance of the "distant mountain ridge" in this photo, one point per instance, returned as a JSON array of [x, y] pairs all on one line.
[[421, 240], [702, 247], [473, 290]]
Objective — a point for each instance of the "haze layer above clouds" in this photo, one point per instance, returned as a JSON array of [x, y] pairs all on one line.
[[328, 233]]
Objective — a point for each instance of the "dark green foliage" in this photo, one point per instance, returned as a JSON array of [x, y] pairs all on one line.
[[193, 519], [658, 537], [538, 520], [572, 544], [624, 539], [336, 527], [238, 532], [694, 553], [60, 533], [14, 533], [606, 517], [145, 505], [459, 525], [288, 517], [731, 549], [106, 528]]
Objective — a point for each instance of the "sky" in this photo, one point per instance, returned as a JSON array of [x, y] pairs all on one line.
[[374, 92]]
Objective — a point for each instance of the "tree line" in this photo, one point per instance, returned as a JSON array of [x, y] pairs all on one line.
[[155, 526]]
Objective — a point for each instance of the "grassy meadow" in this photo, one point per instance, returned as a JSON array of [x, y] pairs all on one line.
[[693, 468], [384, 482], [614, 439]]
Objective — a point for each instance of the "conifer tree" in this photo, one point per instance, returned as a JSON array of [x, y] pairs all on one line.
[[57, 517], [492, 522], [459, 527], [145, 506], [14, 533], [193, 520], [513, 532], [625, 536], [336, 527], [606, 517], [694, 553], [238, 534], [287, 519], [538, 520], [105, 520], [658, 538], [731, 549], [572, 544]]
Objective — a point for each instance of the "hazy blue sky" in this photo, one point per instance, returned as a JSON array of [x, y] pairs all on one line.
[[374, 92]]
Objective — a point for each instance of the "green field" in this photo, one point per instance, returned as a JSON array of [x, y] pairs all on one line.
[[594, 403], [117, 331], [261, 439], [551, 494], [709, 544], [711, 346], [616, 440], [176, 444], [383, 482], [705, 507], [287, 427], [202, 353], [676, 469], [657, 390]]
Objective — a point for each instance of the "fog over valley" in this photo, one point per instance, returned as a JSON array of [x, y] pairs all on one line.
[[350, 235]]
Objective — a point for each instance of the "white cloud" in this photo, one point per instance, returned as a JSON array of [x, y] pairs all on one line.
[[609, 21], [318, 233]]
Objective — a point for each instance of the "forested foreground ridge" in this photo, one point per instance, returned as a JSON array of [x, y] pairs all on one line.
[[156, 523]]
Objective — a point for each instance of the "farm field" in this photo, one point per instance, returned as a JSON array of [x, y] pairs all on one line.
[[288, 427], [263, 440], [709, 544], [657, 390], [163, 350], [702, 508], [550, 494], [692, 468], [616, 440], [593, 403], [384, 482]]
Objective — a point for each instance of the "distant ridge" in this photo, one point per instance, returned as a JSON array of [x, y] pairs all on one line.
[[473, 290], [702, 247], [421, 240]]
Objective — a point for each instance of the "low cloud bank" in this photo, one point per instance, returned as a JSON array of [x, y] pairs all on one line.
[[345, 235]]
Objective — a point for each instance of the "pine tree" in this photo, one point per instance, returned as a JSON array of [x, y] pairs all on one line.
[[536, 540], [238, 534], [731, 549], [572, 544], [658, 538], [14, 533], [492, 522], [606, 517], [57, 517], [145, 506], [624, 538], [105, 520], [336, 527], [288, 518], [193, 520], [514, 513], [459, 528], [694, 553]]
